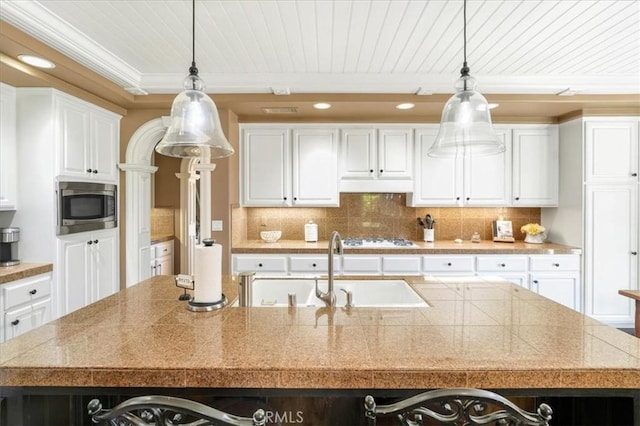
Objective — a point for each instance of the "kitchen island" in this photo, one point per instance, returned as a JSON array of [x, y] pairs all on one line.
[[477, 332]]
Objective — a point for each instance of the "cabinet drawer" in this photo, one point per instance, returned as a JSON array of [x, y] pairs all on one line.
[[27, 318], [26, 290], [550, 263], [437, 263], [405, 265], [317, 264], [163, 249], [501, 263], [362, 265], [277, 264]]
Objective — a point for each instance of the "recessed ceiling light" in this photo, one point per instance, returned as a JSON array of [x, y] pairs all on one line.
[[407, 105], [322, 105], [36, 61]]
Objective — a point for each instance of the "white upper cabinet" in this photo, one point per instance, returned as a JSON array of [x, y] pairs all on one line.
[[611, 151], [459, 181], [535, 166], [279, 171], [266, 156], [8, 149], [315, 167], [88, 141], [376, 159]]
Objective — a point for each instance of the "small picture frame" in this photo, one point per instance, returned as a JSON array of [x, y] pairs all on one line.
[[503, 231]]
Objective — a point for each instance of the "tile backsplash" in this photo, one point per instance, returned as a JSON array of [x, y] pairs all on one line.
[[162, 221], [377, 215]]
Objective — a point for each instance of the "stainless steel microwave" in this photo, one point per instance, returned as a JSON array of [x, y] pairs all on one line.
[[86, 206]]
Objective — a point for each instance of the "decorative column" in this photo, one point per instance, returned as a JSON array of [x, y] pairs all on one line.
[[205, 168]]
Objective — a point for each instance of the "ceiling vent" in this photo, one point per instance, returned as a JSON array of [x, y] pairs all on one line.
[[280, 110]]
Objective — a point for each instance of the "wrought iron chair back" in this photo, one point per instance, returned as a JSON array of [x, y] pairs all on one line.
[[167, 410], [457, 407]]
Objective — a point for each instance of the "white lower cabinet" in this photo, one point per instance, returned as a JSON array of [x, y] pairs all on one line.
[[436, 264], [356, 264], [26, 304], [556, 277], [88, 268], [162, 258]]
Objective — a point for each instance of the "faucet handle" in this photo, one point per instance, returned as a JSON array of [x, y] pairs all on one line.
[[349, 298]]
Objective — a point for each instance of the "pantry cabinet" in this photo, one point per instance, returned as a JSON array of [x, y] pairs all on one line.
[[88, 268], [26, 304], [8, 149], [598, 210], [289, 167], [461, 180]]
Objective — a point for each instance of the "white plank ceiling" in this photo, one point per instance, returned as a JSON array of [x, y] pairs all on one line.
[[346, 46]]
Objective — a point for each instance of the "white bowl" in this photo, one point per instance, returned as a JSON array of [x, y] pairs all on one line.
[[270, 236]]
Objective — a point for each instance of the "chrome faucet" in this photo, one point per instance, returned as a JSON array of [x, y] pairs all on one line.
[[335, 245]]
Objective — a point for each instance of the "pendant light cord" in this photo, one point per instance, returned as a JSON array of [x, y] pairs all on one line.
[[193, 70], [464, 72]]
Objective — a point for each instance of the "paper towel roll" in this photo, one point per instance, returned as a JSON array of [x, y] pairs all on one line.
[[208, 274]]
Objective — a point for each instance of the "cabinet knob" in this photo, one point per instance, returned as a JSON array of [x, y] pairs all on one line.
[[285, 198], [260, 265], [517, 198], [634, 174], [89, 242], [15, 322], [295, 198], [314, 265], [89, 170], [370, 170], [449, 264], [535, 281], [503, 265], [95, 241], [457, 198], [32, 292], [635, 253], [467, 198], [556, 265], [95, 171], [381, 170]]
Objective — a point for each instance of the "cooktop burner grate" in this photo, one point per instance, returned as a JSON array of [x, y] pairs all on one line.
[[377, 242]]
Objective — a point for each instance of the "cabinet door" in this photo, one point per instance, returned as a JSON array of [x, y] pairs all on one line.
[[611, 221], [74, 276], [73, 131], [487, 179], [535, 167], [266, 167], [8, 149], [438, 181], [104, 260], [564, 289], [358, 154], [164, 265], [361, 265], [105, 130], [27, 318], [315, 167], [260, 263], [611, 152], [395, 150]]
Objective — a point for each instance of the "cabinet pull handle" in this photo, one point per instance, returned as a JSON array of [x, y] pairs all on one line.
[[32, 292], [635, 253], [15, 322]]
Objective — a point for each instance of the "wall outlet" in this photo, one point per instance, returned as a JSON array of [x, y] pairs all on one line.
[[216, 225]]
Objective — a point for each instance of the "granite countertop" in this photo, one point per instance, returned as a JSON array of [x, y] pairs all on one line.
[[478, 332], [160, 238], [437, 247], [23, 270]]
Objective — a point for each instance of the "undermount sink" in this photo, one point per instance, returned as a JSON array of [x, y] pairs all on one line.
[[268, 292]]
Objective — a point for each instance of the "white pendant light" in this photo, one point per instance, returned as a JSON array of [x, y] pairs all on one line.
[[194, 130], [465, 127]]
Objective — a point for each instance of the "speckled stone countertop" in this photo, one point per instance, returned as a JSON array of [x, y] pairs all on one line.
[[437, 247], [23, 270], [161, 238], [478, 332]]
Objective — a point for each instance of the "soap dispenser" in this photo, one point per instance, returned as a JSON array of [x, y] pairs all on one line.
[[311, 232]]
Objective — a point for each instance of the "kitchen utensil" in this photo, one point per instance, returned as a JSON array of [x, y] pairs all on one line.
[[421, 222]]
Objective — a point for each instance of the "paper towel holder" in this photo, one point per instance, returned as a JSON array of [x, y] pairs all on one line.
[[207, 306]]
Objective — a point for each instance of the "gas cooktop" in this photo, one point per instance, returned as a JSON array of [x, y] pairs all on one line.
[[374, 242]]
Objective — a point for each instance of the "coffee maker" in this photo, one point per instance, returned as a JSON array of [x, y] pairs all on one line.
[[9, 238]]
